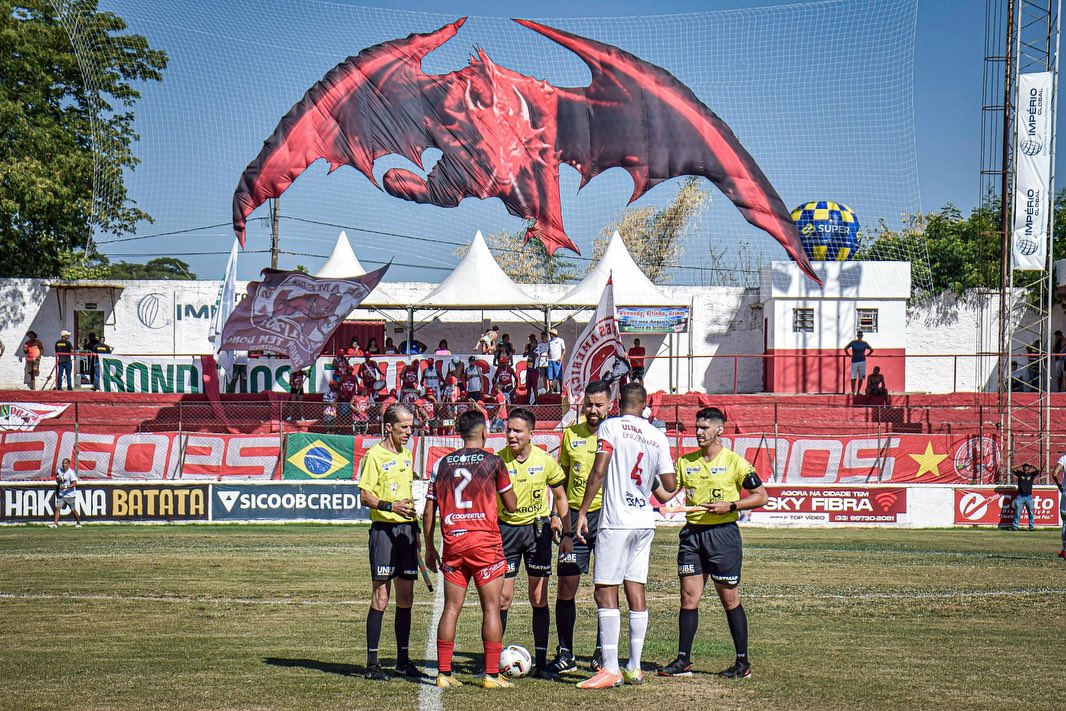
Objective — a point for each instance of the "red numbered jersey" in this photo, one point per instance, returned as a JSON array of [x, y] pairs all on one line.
[[464, 485]]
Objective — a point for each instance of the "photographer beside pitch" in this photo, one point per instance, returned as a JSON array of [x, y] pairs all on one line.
[[714, 478], [385, 476]]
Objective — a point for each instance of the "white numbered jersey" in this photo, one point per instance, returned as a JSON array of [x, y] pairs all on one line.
[[639, 453]]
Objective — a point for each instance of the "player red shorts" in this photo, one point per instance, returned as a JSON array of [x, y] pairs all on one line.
[[483, 563]]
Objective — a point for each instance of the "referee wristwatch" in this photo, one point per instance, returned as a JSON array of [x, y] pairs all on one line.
[[384, 505], [732, 506]]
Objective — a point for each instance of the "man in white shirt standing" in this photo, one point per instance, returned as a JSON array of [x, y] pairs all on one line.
[[630, 455], [66, 492], [556, 354], [1057, 476]]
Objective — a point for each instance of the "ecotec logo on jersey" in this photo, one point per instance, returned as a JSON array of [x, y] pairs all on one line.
[[315, 502], [454, 518]]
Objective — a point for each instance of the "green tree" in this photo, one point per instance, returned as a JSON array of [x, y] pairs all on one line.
[[963, 252], [654, 237], [158, 268], [66, 130], [527, 262]]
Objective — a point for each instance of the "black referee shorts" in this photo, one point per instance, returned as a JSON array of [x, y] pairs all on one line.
[[531, 542], [393, 551], [711, 550], [577, 563]]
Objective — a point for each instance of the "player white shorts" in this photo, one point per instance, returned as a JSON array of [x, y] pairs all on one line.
[[622, 554]]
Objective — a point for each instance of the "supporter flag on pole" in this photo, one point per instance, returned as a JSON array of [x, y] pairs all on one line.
[[227, 297], [598, 354], [294, 313]]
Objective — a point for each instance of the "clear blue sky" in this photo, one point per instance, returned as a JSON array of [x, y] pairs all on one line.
[[188, 167]]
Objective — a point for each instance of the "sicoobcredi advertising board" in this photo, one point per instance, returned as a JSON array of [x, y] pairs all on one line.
[[35, 503], [287, 502]]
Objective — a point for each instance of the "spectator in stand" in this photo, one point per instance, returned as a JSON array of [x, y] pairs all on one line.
[[369, 375], [372, 346], [409, 377], [99, 349], [349, 386], [556, 355], [1026, 474], [239, 378], [485, 344], [449, 400], [442, 348], [504, 349], [542, 361], [1058, 356], [427, 413], [499, 416], [858, 349], [329, 405], [32, 349], [87, 347], [532, 373], [875, 384], [390, 346], [1059, 477], [64, 360], [360, 414], [431, 378], [505, 380], [636, 361], [354, 349], [296, 393], [1019, 378], [458, 371], [475, 380], [388, 401], [341, 366]]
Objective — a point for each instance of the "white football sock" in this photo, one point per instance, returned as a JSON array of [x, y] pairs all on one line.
[[610, 626], [638, 627]]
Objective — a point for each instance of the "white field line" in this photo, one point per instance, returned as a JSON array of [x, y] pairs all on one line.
[[430, 697], [437, 602]]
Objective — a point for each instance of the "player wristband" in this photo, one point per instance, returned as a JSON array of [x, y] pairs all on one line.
[[555, 514], [568, 534]]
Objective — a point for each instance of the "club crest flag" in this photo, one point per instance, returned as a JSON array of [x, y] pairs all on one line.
[[318, 457], [294, 314], [597, 355], [24, 416]]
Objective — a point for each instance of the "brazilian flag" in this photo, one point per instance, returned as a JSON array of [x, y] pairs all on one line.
[[319, 456]]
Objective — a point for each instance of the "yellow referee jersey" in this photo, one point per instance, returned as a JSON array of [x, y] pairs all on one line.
[[387, 476], [530, 480], [720, 479], [576, 457]]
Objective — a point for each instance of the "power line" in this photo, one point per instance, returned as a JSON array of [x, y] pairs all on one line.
[[373, 261], [164, 234]]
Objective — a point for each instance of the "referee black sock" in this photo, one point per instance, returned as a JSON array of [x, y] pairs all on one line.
[[738, 627], [688, 621], [373, 635], [565, 619], [402, 626], [541, 625], [503, 622]]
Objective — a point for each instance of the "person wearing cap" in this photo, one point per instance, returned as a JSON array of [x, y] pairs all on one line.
[[505, 380], [556, 353], [475, 380], [32, 349], [64, 360]]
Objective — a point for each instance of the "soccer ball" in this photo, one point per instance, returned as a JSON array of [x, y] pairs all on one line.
[[515, 661]]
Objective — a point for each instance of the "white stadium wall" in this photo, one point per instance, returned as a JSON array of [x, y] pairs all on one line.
[[169, 317]]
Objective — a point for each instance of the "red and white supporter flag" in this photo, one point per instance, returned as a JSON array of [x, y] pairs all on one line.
[[294, 314], [597, 355]]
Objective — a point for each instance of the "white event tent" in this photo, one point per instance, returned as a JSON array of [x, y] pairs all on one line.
[[632, 286], [342, 264]]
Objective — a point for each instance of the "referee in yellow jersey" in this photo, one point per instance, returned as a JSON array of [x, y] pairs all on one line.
[[385, 476], [576, 457], [722, 483], [528, 532]]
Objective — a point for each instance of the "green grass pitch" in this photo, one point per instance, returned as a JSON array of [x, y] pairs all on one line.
[[272, 616]]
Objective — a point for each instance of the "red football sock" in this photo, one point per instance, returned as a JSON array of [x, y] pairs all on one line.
[[492, 657], [444, 656]]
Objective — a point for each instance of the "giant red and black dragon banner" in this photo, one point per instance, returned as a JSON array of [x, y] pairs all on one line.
[[504, 135]]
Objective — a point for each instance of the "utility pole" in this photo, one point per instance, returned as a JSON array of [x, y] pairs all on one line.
[[274, 215]]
